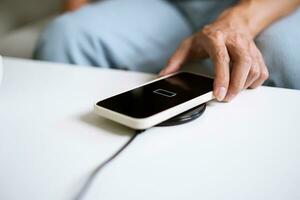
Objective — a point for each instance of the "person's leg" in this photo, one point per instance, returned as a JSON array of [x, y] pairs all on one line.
[[129, 34], [202, 12], [280, 46]]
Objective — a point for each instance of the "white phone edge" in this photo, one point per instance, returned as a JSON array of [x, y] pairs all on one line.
[[145, 123], [1, 69]]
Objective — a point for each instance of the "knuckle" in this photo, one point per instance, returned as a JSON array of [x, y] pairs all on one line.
[[264, 75], [237, 39], [255, 72], [247, 60], [221, 56], [206, 30], [211, 33], [216, 37]]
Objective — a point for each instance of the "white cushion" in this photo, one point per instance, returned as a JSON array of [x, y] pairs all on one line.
[[21, 42], [21, 23]]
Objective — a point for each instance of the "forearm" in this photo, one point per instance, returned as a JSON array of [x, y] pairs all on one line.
[[256, 15]]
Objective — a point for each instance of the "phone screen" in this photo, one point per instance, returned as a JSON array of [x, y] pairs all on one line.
[[160, 95]]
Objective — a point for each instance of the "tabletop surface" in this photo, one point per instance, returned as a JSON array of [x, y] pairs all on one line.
[[51, 141]]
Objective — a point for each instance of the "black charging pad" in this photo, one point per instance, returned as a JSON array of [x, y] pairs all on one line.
[[185, 117]]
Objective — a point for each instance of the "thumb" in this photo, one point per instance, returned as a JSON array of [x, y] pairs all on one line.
[[178, 58]]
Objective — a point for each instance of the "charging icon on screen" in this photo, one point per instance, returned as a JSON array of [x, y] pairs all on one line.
[[165, 93]]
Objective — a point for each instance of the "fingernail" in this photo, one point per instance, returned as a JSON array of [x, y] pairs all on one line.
[[229, 97], [221, 93]]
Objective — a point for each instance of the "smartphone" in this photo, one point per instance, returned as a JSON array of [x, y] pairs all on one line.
[[157, 101]]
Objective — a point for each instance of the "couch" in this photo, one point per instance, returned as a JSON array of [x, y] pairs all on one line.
[[21, 23]]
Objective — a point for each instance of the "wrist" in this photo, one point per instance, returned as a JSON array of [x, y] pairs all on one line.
[[244, 18], [256, 15], [252, 15]]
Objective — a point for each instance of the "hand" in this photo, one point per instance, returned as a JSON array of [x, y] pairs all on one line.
[[238, 63]]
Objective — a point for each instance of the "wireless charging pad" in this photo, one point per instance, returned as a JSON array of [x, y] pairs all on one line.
[[185, 117]]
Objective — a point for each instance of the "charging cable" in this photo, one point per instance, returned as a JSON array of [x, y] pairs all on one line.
[[93, 175]]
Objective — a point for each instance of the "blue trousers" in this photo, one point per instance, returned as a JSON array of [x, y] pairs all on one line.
[[141, 35]]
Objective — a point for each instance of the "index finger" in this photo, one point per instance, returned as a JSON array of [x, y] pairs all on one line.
[[217, 51]]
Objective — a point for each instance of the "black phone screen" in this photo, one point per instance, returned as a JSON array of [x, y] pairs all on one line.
[[158, 96]]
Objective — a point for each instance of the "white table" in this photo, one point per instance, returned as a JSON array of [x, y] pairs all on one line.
[[50, 141]]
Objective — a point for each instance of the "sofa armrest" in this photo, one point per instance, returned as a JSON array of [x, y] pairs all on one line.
[[21, 42]]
